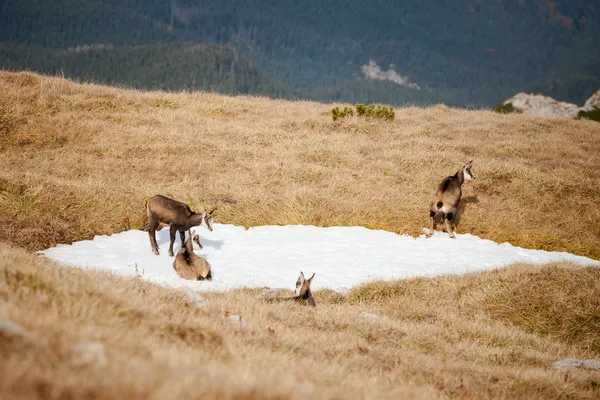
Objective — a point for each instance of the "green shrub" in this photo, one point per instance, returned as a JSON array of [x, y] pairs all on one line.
[[369, 111], [505, 108], [594, 115], [336, 113]]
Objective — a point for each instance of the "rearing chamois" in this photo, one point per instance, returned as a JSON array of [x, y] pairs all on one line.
[[177, 215], [447, 197]]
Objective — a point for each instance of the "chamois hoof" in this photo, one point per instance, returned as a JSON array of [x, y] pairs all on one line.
[[170, 253], [155, 252]]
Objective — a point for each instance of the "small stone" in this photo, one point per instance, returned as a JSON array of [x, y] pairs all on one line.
[[197, 300], [369, 316], [237, 321], [11, 329], [591, 364], [92, 352], [569, 363]]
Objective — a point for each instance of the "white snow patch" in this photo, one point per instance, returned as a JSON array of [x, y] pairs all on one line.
[[273, 256]]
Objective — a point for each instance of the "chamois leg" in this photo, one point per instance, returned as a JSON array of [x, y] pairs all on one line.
[[172, 233], [182, 236], [152, 234], [450, 224], [432, 223]]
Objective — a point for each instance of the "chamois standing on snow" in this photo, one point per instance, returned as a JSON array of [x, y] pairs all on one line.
[[447, 197], [190, 266], [179, 217], [302, 294]]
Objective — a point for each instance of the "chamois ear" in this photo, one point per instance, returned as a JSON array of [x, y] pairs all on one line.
[[469, 164], [204, 213], [311, 278], [302, 275]]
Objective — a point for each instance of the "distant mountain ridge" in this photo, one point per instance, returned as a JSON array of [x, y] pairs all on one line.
[[458, 52]]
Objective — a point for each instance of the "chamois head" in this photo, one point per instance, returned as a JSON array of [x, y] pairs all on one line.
[[207, 219], [303, 285], [467, 172], [196, 241]]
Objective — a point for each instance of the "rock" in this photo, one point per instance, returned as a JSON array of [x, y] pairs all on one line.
[[537, 104], [569, 363], [237, 321], [93, 352], [195, 298], [11, 329], [369, 315], [593, 102]]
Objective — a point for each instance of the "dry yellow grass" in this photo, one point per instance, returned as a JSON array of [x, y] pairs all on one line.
[[445, 337], [78, 160]]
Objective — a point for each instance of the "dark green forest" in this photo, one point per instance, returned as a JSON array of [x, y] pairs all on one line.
[[469, 53], [174, 66]]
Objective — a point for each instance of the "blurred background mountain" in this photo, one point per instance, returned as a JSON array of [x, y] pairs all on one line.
[[458, 52]]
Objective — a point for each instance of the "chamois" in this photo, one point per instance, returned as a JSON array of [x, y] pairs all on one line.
[[302, 294], [447, 197], [190, 266], [179, 217]]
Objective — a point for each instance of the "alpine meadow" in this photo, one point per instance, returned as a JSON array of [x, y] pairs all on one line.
[[80, 160], [291, 200]]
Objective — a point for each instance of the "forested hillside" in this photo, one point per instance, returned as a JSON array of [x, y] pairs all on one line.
[[172, 66], [459, 52]]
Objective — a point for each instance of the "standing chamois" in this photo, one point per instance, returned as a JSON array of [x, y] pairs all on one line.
[[177, 215], [447, 197], [190, 266]]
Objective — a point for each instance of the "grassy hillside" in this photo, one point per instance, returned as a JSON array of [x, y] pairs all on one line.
[[166, 67], [264, 161], [462, 53], [78, 160], [447, 337]]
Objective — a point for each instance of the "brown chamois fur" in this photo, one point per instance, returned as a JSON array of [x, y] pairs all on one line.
[[190, 266], [447, 197], [179, 216], [302, 294]]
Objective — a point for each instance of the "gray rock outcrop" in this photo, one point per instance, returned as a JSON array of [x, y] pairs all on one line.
[[593, 102], [537, 104]]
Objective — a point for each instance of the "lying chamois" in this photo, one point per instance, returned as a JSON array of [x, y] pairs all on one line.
[[190, 266], [302, 294], [447, 197], [163, 211]]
